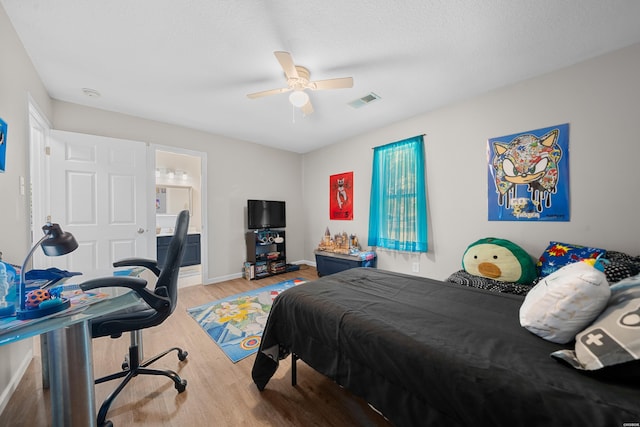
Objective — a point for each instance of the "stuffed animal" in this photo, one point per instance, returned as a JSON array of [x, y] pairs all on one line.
[[499, 259]]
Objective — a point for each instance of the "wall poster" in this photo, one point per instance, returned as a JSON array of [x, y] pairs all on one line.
[[3, 145], [529, 175], [341, 196]]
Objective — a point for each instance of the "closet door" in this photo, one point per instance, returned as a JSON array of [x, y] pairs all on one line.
[[99, 192]]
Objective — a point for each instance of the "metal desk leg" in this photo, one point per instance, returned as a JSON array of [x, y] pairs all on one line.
[[44, 360], [72, 391]]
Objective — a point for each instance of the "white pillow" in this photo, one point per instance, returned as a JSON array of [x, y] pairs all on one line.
[[565, 302], [613, 337]]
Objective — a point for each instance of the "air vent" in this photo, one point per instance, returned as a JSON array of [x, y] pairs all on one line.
[[361, 102], [91, 93]]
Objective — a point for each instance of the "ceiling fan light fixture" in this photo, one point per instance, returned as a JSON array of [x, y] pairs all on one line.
[[298, 98], [297, 81]]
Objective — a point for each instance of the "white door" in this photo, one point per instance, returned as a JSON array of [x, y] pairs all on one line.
[[99, 192]]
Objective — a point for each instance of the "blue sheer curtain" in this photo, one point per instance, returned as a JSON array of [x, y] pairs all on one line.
[[398, 206]]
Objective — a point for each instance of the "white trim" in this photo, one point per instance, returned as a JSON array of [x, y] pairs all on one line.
[[203, 198], [34, 107], [152, 246], [211, 281], [8, 391], [37, 185], [38, 165], [305, 262], [219, 279]]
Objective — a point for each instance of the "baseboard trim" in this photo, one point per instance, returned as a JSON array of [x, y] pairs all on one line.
[[8, 391], [213, 280], [219, 279]]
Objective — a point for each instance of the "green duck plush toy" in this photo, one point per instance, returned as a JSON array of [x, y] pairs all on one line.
[[499, 259]]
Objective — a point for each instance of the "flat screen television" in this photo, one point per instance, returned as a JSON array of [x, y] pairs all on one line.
[[263, 214]]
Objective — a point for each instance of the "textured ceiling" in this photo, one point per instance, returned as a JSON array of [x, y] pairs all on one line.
[[192, 62]]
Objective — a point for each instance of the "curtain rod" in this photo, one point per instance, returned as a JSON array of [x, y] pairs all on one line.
[[400, 140]]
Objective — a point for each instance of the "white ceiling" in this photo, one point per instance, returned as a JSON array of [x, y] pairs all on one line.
[[192, 62]]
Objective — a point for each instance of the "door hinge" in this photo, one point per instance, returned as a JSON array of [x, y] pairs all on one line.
[[47, 150]]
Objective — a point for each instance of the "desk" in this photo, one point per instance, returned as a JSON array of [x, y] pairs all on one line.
[[70, 357]]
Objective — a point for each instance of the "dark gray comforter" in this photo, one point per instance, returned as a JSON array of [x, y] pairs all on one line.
[[425, 352]]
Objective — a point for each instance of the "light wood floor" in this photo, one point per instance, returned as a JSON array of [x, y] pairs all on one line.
[[219, 393]]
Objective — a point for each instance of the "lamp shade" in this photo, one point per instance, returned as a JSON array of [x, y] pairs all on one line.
[[58, 242], [298, 98]]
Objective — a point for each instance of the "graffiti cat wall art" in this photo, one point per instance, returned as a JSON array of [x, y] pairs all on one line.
[[529, 175]]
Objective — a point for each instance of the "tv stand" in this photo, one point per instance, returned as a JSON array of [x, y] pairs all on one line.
[[266, 253]]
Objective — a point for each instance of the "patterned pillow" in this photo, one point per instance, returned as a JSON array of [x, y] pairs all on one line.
[[463, 278], [621, 266], [557, 255]]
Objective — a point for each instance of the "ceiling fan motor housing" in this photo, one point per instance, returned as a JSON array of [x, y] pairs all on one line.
[[297, 78]]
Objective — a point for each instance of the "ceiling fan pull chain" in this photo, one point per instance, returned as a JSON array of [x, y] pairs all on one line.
[[293, 114]]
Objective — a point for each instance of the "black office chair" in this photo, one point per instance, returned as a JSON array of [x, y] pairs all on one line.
[[158, 305]]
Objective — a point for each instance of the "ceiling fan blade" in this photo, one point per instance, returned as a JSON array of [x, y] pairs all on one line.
[[307, 108], [340, 83], [268, 92], [286, 62]]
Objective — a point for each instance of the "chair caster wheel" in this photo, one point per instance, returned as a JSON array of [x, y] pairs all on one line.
[[182, 386], [182, 355]]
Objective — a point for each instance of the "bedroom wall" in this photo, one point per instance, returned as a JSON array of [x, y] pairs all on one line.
[[237, 171], [18, 82], [598, 98]]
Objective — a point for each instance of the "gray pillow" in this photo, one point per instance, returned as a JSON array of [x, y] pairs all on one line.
[[614, 337]]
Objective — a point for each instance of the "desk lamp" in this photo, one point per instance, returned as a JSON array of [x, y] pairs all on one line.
[[54, 243]]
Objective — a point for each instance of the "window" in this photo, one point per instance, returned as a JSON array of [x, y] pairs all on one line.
[[398, 206]]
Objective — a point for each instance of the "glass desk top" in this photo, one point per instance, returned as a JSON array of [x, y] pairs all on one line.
[[12, 330]]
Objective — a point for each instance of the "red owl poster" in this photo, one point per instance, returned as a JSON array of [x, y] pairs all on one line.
[[341, 196]]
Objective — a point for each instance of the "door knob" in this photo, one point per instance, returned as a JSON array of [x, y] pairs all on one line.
[[140, 230]]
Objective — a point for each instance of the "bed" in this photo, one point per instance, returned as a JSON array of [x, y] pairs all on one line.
[[426, 352]]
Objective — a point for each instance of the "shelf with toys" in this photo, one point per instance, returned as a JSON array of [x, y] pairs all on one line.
[[341, 252], [266, 253]]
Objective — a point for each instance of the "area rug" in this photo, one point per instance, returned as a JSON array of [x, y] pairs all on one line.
[[236, 323]]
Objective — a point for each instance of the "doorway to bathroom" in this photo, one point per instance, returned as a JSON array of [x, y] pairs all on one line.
[[180, 183]]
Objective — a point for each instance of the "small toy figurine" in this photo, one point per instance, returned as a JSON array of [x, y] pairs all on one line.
[[35, 297], [7, 274], [4, 285]]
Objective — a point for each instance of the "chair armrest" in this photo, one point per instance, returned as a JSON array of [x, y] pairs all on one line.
[[148, 263], [138, 285]]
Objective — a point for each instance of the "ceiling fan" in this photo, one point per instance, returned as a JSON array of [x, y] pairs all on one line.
[[298, 80]]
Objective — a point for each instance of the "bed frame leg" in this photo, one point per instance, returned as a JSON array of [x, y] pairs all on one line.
[[294, 374]]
